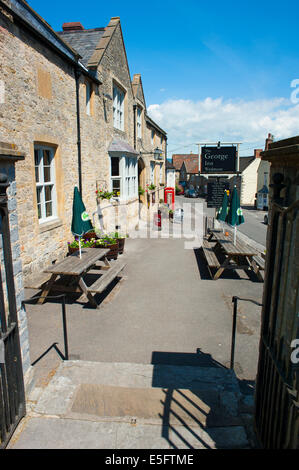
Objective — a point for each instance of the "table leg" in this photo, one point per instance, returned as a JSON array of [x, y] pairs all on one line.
[[106, 262], [85, 291], [221, 269], [47, 289]]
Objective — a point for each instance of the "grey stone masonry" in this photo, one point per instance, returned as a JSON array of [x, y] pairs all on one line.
[[8, 167]]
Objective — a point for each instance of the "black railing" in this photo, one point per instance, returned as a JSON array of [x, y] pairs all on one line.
[[234, 325], [64, 356], [12, 395]]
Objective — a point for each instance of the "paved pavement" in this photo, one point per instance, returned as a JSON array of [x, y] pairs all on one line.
[[166, 311]]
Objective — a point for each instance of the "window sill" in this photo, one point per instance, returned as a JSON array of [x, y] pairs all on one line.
[[50, 225]]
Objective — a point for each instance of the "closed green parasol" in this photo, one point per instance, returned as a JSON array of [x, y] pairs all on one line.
[[81, 221], [235, 213], [222, 214]]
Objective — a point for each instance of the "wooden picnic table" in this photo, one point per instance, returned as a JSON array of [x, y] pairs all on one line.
[[73, 269], [236, 256]]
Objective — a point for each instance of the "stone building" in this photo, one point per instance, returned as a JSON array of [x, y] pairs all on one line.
[[70, 107], [133, 146]]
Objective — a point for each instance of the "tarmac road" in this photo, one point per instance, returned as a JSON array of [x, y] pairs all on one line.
[[253, 227]]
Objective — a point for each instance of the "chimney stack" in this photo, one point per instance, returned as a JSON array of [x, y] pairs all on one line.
[[75, 26], [257, 153], [269, 141]]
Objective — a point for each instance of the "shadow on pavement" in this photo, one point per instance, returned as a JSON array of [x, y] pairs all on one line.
[[201, 401]]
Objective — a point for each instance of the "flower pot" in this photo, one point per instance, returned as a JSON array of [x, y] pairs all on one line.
[[73, 249], [89, 235], [113, 253], [121, 245]]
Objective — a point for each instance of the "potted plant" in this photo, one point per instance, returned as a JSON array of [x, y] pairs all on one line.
[[111, 243], [170, 213], [121, 242], [151, 187], [90, 235], [101, 194], [74, 245]]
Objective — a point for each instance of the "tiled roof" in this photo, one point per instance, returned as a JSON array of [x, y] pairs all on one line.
[[121, 146], [169, 165], [244, 162], [178, 159], [83, 41]]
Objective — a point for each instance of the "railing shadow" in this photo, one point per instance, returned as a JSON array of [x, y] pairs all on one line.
[[194, 408], [64, 356]]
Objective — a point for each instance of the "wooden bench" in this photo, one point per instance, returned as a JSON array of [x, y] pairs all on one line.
[[258, 265], [211, 258], [109, 275]]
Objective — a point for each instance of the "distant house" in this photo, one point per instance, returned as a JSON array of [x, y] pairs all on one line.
[[170, 174], [248, 168], [263, 172], [186, 166]]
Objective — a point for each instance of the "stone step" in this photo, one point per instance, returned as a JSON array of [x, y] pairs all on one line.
[[60, 394], [133, 406]]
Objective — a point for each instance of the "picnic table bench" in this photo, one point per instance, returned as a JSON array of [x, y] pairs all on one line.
[[71, 272], [235, 256]]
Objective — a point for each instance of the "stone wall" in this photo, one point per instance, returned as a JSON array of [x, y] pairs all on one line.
[[8, 168], [40, 107]]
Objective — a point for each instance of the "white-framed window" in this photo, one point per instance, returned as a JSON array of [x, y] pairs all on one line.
[[139, 112], [45, 183], [130, 177], [118, 108], [152, 173], [124, 177]]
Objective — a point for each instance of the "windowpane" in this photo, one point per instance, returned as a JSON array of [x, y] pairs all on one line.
[[37, 174], [39, 211], [36, 157], [48, 193], [116, 187], [47, 157], [38, 194], [49, 212], [115, 166], [47, 174]]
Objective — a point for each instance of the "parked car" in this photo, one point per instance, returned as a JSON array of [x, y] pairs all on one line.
[[191, 193]]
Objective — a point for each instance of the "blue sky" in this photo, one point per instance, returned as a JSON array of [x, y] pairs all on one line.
[[211, 70]]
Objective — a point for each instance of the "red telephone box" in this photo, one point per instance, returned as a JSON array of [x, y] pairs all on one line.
[[169, 196]]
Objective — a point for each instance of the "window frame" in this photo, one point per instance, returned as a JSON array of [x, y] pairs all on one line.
[[128, 176], [118, 107], [139, 123], [42, 184]]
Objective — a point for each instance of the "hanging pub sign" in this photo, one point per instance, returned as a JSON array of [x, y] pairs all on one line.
[[218, 159]]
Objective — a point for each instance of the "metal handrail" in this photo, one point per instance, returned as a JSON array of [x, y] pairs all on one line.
[[64, 322], [234, 325]]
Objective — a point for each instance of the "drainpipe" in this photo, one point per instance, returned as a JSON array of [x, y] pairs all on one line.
[[77, 76]]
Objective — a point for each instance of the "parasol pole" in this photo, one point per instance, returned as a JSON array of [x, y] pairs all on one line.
[[235, 234], [80, 247]]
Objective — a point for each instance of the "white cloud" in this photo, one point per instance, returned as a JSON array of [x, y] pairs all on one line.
[[187, 121]]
